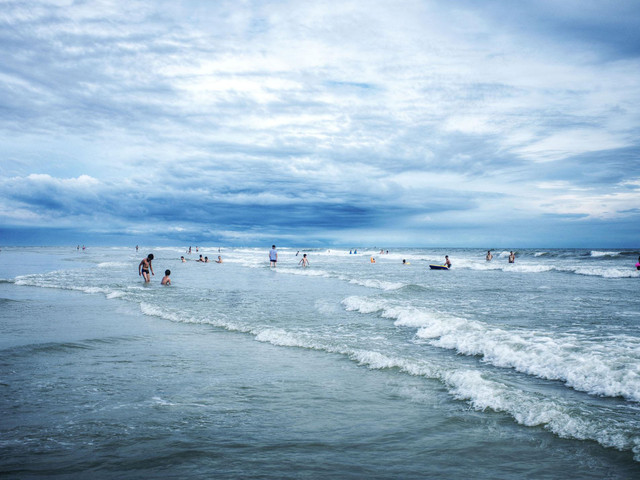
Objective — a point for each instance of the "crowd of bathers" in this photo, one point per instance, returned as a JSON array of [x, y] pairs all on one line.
[[145, 268]]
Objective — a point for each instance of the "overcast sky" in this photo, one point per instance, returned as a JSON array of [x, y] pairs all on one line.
[[388, 123]]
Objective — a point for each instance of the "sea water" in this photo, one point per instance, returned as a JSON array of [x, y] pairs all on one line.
[[344, 369]]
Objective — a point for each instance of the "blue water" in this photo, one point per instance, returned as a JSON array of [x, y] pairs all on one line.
[[345, 369]]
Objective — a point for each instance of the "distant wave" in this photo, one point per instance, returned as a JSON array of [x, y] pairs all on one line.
[[597, 253]]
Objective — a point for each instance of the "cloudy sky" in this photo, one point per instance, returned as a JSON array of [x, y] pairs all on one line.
[[389, 123]]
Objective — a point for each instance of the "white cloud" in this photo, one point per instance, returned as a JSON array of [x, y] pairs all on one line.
[[290, 103]]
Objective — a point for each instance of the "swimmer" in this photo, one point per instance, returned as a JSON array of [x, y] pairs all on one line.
[[512, 257], [219, 260], [404, 262], [304, 261], [638, 264], [489, 256], [183, 259], [166, 280], [200, 259], [145, 266], [447, 262], [206, 259], [373, 260]]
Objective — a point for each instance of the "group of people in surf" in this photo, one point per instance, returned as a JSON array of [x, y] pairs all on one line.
[[145, 267], [512, 257]]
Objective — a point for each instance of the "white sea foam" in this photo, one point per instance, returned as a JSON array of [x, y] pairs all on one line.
[[596, 253], [376, 283], [607, 368], [307, 272], [483, 393], [116, 294], [113, 264], [605, 272]]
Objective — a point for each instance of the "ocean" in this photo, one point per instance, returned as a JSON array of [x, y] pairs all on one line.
[[345, 369]]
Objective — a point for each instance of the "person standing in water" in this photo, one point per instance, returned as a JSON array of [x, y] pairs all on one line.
[[304, 262], [447, 262], [144, 267], [489, 256], [166, 280], [638, 264], [273, 256], [512, 257]]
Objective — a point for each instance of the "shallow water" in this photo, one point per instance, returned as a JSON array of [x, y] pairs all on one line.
[[346, 369]]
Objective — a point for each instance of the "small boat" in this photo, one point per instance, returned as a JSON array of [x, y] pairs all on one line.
[[438, 267]]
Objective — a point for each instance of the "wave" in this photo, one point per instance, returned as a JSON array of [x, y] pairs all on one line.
[[605, 368], [596, 253], [604, 271], [113, 264], [481, 393], [379, 284]]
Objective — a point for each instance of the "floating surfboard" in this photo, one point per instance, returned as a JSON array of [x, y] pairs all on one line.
[[438, 267]]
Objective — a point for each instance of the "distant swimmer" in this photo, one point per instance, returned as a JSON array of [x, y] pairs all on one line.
[[206, 259], [145, 266], [297, 253], [305, 261], [183, 259], [404, 262], [136, 248], [166, 280], [219, 260], [273, 256], [638, 264], [350, 252], [489, 256], [447, 262], [200, 259], [512, 257], [373, 260]]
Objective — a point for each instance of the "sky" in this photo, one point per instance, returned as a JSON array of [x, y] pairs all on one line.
[[308, 123]]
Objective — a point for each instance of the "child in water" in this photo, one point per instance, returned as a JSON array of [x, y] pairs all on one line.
[[166, 280], [304, 262]]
